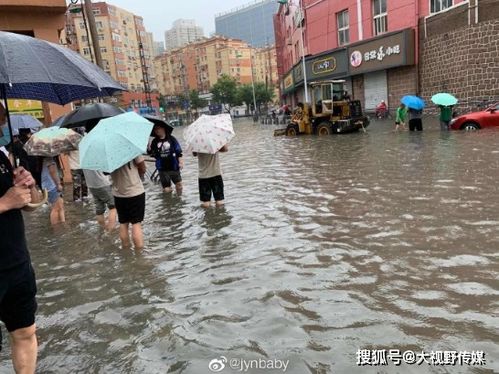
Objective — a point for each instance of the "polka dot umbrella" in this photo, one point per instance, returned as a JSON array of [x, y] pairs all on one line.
[[209, 133]]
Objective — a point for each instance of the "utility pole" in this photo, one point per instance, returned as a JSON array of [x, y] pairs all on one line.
[[93, 33], [145, 72], [270, 54]]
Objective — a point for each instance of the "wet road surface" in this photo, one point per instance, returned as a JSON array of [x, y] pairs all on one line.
[[326, 246]]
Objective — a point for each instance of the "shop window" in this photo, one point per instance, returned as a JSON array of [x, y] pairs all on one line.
[[343, 28], [439, 5], [380, 17]]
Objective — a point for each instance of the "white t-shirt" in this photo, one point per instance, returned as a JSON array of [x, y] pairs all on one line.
[[74, 160]]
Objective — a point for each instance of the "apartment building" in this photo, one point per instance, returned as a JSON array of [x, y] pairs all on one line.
[[265, 66], [123, 40], [199, 65]]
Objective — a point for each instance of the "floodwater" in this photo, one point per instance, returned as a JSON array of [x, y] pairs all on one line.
[[326, 246]]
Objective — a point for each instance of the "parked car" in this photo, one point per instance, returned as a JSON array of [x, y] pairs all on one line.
[[477, 120]]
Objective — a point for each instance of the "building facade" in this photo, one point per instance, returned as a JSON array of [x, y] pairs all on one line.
[[378, 46], [40, 19], [467, 37], [123, 40], [252, 23], [197, 66], [183, 31], [265, 67]]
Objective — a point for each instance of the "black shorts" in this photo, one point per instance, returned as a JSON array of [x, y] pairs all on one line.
[[416, 124], [214, 185], [17, 297], [130, 209], [167, 177]]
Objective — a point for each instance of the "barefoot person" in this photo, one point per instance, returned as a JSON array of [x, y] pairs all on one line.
[[400, 117], [51, 181], [210, 178], [130, 200], [100, 188], [17, 278]]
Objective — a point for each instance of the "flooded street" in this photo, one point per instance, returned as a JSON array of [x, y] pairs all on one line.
[[327, 245]]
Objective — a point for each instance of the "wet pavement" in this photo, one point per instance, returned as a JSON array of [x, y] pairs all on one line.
[[326, 246]]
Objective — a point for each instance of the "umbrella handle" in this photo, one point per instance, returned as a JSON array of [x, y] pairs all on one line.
[[32, 206]]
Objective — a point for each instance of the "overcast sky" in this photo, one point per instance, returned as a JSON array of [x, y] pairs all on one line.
[[159, 14]]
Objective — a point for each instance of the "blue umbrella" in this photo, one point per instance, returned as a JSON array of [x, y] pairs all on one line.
[[114, 142], [35, 69], [58, 121], [413, 102], [24, 121]]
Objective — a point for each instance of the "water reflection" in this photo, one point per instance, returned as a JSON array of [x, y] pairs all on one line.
[[383, 240]]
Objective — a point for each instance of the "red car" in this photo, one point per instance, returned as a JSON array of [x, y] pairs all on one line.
[[477, 120]]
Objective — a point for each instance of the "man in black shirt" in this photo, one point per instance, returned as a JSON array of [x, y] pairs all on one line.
[[17, 279]]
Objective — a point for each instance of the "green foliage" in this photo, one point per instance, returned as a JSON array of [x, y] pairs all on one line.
[[263, 94], [196, 101], [225, 92], [245, 94]]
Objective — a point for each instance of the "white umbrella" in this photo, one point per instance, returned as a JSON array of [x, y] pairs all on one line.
[[209, 133]]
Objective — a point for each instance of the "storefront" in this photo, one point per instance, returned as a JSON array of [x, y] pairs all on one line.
[[330, 65], [380, 64], [288, 86], [299, 89]]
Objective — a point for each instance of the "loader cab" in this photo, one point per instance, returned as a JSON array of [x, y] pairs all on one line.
[[324, 95]]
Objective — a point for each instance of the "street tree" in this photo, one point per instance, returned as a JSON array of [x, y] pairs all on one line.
[[225, 92], [263, 95], [196, 101], [245, 95]]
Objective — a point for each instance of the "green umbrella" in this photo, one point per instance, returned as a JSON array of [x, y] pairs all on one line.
[[114, 142], [444, 99]]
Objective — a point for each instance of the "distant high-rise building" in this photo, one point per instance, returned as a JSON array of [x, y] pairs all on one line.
[[252, 23], [184, 31], [158, 48]]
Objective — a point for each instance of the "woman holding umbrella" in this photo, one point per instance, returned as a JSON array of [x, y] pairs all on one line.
[[168, 154]]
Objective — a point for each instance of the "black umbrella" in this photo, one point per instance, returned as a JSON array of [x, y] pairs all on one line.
[[36, 69], [158, 121], [88, 115]]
